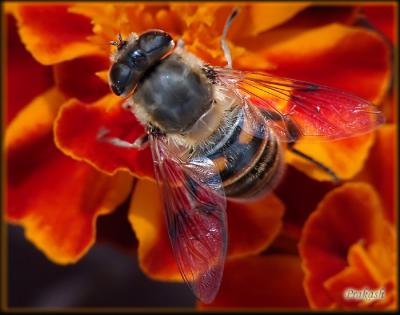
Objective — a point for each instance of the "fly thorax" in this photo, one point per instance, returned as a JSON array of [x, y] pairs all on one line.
[[174, 95]]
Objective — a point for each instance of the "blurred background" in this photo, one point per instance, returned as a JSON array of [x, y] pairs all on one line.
[[105, 277]]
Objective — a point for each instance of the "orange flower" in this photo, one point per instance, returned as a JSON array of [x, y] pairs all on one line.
[[347, 244], [60, 178]]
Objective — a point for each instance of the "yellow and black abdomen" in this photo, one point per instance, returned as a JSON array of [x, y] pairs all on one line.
[[249, 165]]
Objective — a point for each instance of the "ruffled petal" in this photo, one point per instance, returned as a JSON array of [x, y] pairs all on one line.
[[78, 131], [55, 198], [261, 282], [380, 168], [251, 228], [53, 34], [346, 243], [77, 78], [19, 67]]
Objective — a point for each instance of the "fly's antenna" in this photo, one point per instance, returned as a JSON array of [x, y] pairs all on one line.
[[224, 45], [120, 43]]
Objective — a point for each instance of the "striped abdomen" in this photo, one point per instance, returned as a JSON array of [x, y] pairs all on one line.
[[248, 165]]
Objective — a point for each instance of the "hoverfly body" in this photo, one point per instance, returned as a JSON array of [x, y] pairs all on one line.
[[217, 133]]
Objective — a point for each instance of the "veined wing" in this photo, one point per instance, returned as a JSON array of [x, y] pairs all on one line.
[[295, 108], [195, 205]]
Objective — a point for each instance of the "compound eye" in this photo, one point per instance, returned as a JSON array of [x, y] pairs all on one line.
[[156, 43], [120, 78]]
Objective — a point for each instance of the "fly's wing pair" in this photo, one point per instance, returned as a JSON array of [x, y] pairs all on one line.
[[194, 207], [192, 190], [295, 108]]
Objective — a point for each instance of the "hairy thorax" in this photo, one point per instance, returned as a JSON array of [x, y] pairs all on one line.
[[174, 94]]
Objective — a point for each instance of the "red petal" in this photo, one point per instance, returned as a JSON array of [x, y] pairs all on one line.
[[77, 129], [380, 168], [273, 282], [20, 66], [55, 198], [52, 34], [348, 215], [77, 78], [382, 16]]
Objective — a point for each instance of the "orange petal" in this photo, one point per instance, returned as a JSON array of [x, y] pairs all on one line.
[[260, 17], [261, 282], [53, 34], [55, 198], [36, 119], [251, 228], [147, 219], [380, 168], [253, 225], [19, 66], [77, 78], [109, 19], [345, 157], [79, 125], [103, 75], [349, 215], [10, 7]]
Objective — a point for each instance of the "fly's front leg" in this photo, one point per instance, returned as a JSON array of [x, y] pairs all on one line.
[[139, 144], [224, 45], [294, 134]]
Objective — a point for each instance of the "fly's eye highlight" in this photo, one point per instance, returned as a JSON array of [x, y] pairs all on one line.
[[138, 59], [120, 78]]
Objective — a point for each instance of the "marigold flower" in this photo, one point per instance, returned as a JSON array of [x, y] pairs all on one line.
[[60, 179]]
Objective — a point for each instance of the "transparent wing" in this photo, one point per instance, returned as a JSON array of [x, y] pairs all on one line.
[[296, 108], [195, 205]]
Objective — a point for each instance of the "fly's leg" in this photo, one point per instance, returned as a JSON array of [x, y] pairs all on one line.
[[295, 135], [224, 45], [139, 144], [323, 167]]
